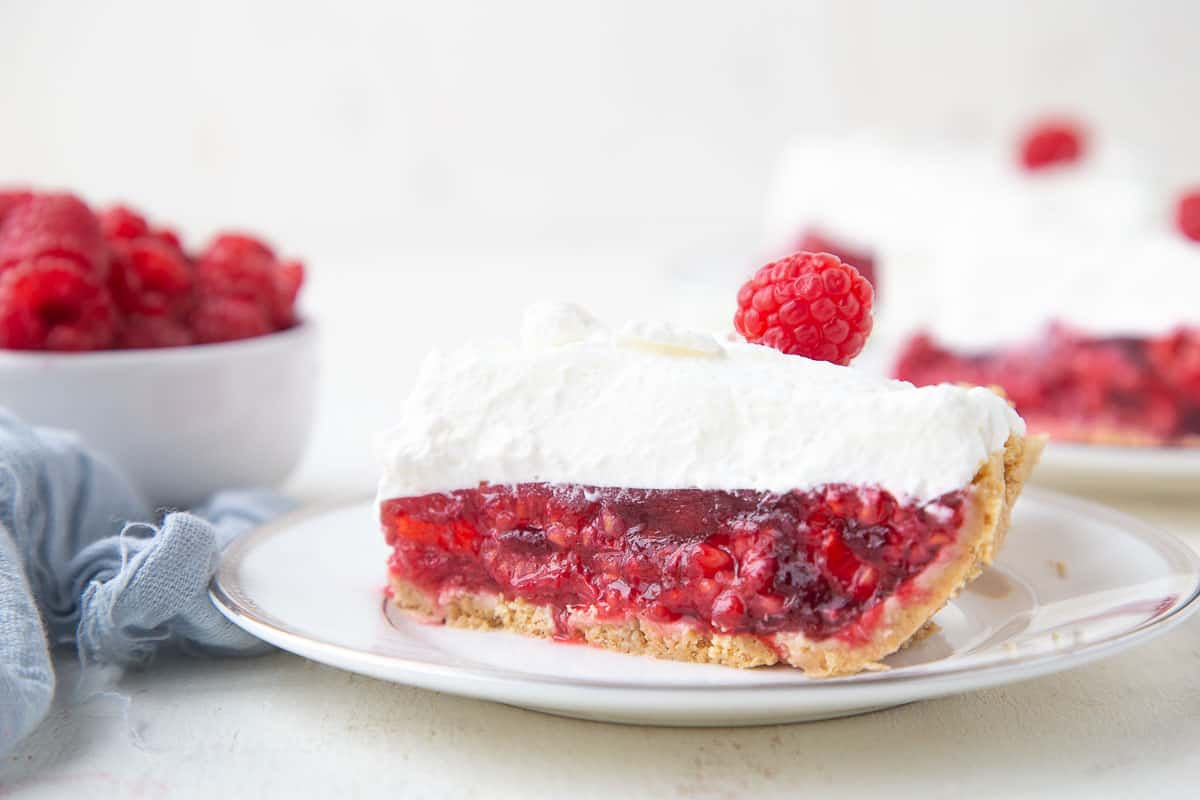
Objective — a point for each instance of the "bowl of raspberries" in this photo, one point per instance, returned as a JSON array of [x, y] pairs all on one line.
[[190, 369]]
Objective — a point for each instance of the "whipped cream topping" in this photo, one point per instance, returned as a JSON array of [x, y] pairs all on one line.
[[978, 251], [656, 407]]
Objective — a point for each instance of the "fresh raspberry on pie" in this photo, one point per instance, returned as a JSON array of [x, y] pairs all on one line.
[[1052, 143], [1187, 214], [808, 304], [58, 225], [225, 319], [50, 303], [150, 277]]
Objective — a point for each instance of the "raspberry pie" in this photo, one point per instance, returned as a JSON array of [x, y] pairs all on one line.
[[663, 492], [1057, 271], [1105, 390]]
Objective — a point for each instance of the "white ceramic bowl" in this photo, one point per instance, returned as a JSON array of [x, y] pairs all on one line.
[[183, 422]]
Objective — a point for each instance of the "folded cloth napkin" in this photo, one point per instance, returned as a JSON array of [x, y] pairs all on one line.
[[80, 562]]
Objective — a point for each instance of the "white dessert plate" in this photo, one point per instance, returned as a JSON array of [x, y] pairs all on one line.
[[1126, 470], [1075, 582]]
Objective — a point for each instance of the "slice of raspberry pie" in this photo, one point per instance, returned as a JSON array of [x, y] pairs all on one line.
[[1124, 390], [1063, 272], [662, 492]]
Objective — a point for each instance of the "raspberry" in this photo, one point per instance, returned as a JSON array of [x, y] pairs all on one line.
[[1187, 214], [708, 560], [1051, 143], [168, 237], [54, 225], [49, 303], [808, 304], [235, 247], [120, 222], [140, 331], [243, 268], [10, 200], [817, 242], [113, 279], [288, 279], [728, 611], [149, 277], [224, 319]]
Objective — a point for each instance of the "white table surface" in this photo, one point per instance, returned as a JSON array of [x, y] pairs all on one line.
[[283, 726]]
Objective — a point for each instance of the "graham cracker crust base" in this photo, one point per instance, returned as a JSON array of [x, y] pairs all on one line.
[[992, 494]]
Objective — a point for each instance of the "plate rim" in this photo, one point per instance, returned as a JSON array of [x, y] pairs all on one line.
[[223, 591]]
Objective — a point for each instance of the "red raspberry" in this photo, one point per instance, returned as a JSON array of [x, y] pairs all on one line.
[[140, 331], [224, 319], [243, 268], [120, 222], [808, 304], [728, 611], [54, 225], [237, 247], [288, 279], [232, 267], [815, 241], [1187, 214], [169, 237], [150, 277], [49, 303], [10, 200], [1051, 143]]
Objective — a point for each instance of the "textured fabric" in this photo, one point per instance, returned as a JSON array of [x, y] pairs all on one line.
[[81, 563]]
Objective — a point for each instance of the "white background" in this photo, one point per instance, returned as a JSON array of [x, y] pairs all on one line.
[[438, 163], [339, 127]]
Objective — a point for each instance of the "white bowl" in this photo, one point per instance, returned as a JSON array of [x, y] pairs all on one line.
[[183, 422]]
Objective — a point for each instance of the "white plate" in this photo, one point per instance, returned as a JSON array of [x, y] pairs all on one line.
[[1076, 582], [1152, 470]]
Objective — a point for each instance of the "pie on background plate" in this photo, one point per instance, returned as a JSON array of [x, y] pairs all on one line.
[[1063, 270]]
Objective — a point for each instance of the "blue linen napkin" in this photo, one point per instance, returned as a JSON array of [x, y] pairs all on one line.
[[80, 562]]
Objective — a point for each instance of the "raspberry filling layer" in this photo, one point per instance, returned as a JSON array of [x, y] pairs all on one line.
[[1075, 386], [750, 562]]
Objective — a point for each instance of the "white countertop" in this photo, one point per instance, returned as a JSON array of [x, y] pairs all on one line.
[[280, 725]]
